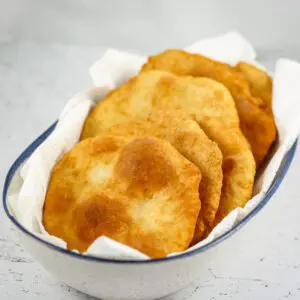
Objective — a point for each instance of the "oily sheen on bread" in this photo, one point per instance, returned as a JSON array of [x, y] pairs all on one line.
[[189, 139], [256, 121], [206, 100], [139, 191]]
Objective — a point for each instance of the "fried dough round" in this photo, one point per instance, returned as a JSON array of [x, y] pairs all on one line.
[[259, 81], [139, 191], [189, 139], [208, 101], [257, 124]]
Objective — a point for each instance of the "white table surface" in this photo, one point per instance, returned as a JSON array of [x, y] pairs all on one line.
[[38, 74], [36, 82]]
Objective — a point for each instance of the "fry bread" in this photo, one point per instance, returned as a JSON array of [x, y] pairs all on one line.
[[256, 123], [208, 101], [139, 191], [190, 140], [259, 81]]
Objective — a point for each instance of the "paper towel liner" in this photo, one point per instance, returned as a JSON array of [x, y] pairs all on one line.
[[115, 68]]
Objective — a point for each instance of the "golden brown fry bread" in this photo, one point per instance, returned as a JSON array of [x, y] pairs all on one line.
[[259, 81], [139, 191], [190, 140], [208, 101], [256, 122]]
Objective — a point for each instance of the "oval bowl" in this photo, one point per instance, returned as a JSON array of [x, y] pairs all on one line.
[[128, 279]]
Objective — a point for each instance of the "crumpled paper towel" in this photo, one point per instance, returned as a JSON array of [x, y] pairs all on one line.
[[115, 68]]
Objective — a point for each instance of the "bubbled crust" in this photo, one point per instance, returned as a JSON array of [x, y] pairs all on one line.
[[206, 100], [189, 139], [138, 191], [257, 123]]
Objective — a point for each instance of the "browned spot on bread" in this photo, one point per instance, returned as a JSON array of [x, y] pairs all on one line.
[[183, 132], [250, 87], [212, 106], [89, 196], [143, 164]]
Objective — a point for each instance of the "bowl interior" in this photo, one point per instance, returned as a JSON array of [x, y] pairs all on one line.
[[13, 178]]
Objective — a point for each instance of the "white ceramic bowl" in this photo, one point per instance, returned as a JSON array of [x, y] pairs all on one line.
[[114, 279]]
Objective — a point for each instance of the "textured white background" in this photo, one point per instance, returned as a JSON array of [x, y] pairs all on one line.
[[46, 48]]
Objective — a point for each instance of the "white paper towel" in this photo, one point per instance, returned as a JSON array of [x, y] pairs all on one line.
[[113, 69]]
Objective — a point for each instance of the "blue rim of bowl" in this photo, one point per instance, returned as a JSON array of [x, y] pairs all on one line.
[[30, 149]]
